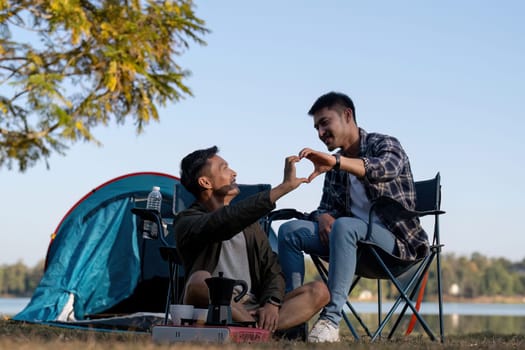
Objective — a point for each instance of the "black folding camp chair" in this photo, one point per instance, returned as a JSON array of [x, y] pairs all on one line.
[[374, 263], [168, 253]]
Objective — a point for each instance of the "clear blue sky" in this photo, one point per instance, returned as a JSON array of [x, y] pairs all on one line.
[[445, 77]]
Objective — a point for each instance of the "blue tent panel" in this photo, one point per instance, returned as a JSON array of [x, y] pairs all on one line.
[[97, 256]]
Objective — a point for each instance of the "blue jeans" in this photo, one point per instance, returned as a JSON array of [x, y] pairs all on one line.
[[298, 236]]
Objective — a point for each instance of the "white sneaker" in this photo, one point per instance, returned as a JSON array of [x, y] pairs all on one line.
[[324, 331]]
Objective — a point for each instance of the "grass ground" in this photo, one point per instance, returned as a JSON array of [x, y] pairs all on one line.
[[16, 335]]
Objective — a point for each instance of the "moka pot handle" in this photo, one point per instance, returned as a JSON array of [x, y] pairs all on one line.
[[243, 292]]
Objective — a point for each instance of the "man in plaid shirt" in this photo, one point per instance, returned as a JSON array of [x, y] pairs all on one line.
[[367, 166]]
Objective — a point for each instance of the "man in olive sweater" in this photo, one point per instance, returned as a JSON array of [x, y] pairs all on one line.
[[214, 236]]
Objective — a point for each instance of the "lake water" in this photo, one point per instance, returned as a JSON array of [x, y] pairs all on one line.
[[459, 318], [11, 306], [461, 309]]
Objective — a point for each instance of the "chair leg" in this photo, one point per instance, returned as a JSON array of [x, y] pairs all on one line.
[[404, 297], [379, 304], [177, 294], [405, 307], [349, 325], [173, 289], [440, 296], [167, 308], [169, 297], [359, 319]]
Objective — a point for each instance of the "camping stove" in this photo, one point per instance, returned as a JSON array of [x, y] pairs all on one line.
[[215, 334]]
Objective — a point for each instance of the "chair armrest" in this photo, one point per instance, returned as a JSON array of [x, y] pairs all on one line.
[[153, 216], [287, 214], [430, 212], [400, 211], [170, 254], [146, 214]]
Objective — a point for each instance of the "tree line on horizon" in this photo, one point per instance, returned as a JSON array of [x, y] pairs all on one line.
[[474, 276], [19, 280]]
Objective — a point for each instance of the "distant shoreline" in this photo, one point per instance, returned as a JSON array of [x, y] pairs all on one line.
[[518, 299], [12, 296]]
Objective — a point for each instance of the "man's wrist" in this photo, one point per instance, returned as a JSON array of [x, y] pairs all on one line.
[[274, 301], [337, 164], [280, 190]]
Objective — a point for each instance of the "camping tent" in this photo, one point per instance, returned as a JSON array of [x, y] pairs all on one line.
[[98, 262], [99, 271]]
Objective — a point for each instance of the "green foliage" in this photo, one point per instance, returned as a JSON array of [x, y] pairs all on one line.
[[20, 280], [487, 277], [88, 62]]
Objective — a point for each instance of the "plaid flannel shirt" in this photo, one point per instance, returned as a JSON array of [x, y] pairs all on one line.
[[387, 173]]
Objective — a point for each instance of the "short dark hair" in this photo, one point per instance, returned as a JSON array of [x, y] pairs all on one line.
[[191, 166], [331, 100]]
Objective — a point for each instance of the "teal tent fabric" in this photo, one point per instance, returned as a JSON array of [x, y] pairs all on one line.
[[94, 256]]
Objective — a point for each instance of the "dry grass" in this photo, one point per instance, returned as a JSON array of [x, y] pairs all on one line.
[[16, 335]]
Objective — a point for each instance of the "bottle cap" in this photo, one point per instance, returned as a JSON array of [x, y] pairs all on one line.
[[156, 188]]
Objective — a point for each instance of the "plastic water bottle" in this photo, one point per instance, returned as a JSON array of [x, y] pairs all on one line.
[[154, 202]]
